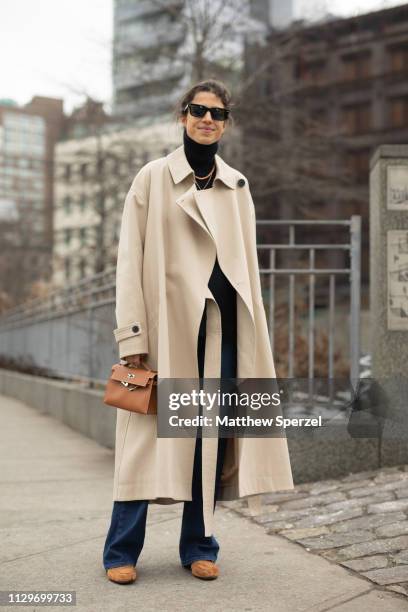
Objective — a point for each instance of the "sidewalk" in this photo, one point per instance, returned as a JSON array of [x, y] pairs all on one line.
[[55, 492]]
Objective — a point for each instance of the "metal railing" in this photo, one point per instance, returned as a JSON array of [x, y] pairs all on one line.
[[70, 333], [353, 247]]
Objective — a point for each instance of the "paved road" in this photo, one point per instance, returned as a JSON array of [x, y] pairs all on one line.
[[55, 504]]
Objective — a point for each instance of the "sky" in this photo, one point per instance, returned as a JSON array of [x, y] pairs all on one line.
[[61, 48]]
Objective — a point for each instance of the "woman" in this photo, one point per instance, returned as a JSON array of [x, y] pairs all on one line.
[[189, 302]]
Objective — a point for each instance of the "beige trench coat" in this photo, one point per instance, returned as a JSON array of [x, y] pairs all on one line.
[[170, 234]]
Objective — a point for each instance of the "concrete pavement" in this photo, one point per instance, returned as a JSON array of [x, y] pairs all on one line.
[[55, 505]]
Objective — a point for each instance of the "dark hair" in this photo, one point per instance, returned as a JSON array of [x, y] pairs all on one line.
[[216, 87]]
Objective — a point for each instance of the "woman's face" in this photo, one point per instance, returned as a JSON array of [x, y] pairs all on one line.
[[204, 129]]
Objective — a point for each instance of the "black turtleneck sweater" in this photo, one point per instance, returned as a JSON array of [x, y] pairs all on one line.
[[201, 159]]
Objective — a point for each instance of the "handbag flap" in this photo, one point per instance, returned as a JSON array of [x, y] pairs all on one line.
[[134, 376]]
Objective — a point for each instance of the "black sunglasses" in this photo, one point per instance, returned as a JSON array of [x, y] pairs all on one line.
[[199, 110]]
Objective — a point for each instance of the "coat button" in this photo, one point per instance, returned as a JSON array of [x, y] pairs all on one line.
[[241, 182], [135, 329]]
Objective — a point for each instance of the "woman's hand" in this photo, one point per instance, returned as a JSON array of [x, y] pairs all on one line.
[[136, 360]]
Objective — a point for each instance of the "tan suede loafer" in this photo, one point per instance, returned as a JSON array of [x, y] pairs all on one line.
[[204, 569], [124, 574]]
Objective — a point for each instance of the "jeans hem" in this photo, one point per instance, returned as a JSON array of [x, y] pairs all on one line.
[[187, 563], [119, 565]]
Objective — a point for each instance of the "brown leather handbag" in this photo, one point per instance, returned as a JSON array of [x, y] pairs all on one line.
[[132, 388]]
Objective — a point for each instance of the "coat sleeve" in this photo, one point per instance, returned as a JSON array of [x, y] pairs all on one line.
[[131, 333]]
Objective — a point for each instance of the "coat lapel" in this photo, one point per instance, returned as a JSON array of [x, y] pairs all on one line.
[[219, 209], [187, 203], [216, 211], [180, 170]]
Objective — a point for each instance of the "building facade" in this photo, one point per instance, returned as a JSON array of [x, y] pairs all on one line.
[[275, 14], [27, 139], [148, 71], [350, 76]]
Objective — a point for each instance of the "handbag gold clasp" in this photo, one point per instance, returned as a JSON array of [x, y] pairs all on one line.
[[126, 384]]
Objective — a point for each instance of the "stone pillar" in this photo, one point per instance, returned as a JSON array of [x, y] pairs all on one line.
[[389, 291], [389, 260]]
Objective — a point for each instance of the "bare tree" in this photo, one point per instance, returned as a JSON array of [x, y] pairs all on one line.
[[215, 31], [208, 40], [23, 257], [290, 146]]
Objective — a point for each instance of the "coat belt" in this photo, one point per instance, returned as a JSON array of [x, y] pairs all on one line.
[[212, 369]]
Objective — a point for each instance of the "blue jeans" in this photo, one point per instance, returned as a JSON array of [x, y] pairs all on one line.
[[126, 533]]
